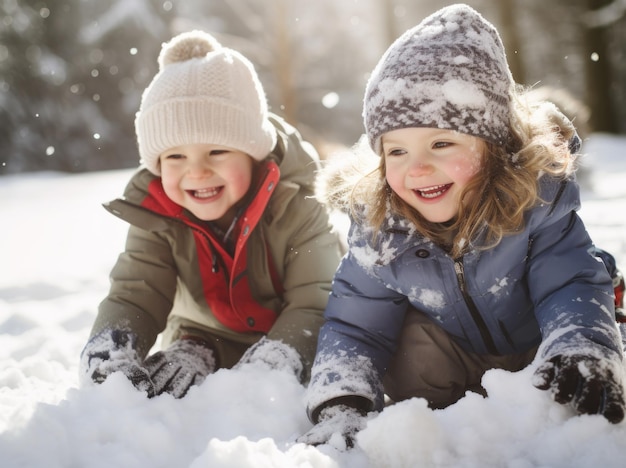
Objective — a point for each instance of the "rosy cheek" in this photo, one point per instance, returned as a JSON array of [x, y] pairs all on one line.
[[170, 185], [391, 180], [473, 168], [466, 170], [171, 194], [473, 164]]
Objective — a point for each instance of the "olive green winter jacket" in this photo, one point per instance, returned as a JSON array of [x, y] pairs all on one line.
[[176, 277]]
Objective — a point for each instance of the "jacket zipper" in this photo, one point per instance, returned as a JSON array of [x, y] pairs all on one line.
[[478, 319], [215, 258]]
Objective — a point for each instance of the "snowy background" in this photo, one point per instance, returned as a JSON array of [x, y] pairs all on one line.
[[57, 248]]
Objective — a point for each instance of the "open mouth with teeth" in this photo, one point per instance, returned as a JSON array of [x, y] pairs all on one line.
[[205, 194], [432, 192]]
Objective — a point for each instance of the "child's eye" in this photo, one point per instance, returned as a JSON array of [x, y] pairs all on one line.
[[396, 152], [174, 156], [441, 144], [218, 152]]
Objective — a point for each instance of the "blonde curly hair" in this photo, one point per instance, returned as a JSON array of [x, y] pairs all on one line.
[[495, 200]]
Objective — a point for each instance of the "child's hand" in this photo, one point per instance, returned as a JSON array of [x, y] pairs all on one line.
[[185, 363], [273, 354], [337, 426], [589, 384], [111, 351]]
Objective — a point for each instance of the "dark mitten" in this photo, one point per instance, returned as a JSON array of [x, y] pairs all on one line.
[[337, 425], [274, 354], [185, 363], [591, 385], [111, 351]]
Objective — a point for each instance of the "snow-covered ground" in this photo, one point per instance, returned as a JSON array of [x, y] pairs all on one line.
[[57, 246]]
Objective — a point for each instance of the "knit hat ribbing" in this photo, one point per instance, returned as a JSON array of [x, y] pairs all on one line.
[[450, 72], [203, 93]]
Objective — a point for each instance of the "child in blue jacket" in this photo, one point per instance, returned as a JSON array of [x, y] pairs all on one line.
[[465, 249]]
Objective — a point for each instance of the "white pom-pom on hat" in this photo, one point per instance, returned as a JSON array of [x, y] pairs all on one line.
[[203, 94], [186, 46]]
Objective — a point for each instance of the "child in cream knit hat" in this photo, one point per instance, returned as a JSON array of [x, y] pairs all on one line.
[[203, 93], [227, 254]]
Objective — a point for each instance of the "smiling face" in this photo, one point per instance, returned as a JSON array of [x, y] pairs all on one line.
[[208, 180], [428, 168]]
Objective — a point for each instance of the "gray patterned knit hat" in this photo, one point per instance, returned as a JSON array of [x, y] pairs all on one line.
[[450, 72], [203, 93]]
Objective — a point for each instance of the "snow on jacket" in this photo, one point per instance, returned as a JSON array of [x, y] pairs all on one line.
[[175, 273], [539, 286]]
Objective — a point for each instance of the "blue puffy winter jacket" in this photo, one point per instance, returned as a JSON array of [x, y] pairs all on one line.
[[542, 285]]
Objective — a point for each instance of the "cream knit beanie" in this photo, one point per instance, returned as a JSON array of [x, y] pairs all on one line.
[[203, 93], [449, 71]]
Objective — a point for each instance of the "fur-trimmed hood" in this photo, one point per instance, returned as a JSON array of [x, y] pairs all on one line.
[[343, 176]]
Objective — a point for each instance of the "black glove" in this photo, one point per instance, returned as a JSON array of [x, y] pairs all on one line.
[[337, 425], [589, 384], [274, 354], [111, 351], [185, 363]]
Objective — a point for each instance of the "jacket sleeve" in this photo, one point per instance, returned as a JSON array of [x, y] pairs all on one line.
[[143, 284], [309, 260], [571, 288], [303, 244], [358, 338]]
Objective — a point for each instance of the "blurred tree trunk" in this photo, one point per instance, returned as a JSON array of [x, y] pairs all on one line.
[[598, 74], [511, 39], [390, 25], [283, 69]]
